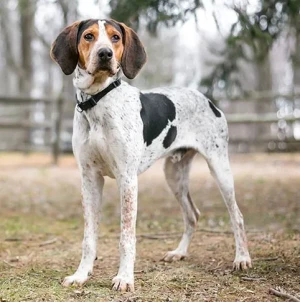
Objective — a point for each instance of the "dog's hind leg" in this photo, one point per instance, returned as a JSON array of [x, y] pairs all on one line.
[[177, 176], [218, 163]]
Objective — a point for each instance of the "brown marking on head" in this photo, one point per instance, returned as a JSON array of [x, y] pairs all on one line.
[[64, 49], [134, 55], [117, 44], [85, 46]]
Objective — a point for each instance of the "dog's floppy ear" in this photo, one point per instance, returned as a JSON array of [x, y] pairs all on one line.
[[64, 48], [134, 55]]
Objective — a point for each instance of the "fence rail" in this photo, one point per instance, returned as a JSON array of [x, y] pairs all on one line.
[[57, 125], [247, 118], [263, 95], [10, 100], [6, 124]]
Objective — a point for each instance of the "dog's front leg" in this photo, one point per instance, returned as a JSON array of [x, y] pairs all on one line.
[[92, 185], [128, 187]]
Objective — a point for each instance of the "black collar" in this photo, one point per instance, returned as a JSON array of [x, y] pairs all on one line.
[[94, 99]]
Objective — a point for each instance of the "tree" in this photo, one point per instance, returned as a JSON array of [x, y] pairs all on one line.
[[253, 31], [294, 25], [19, 63], [251, 39], [153, 12], [26, 12]]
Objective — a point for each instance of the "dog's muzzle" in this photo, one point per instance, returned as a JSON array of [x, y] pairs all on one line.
[[105, 55], [105, 60]]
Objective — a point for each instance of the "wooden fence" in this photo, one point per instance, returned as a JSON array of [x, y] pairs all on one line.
[[55, 124]]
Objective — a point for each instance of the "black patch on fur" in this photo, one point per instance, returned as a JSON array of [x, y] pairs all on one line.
[[214, 109], [157, 110], [170, 137]]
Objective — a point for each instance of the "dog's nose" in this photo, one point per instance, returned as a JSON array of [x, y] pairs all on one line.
[[105, 54]]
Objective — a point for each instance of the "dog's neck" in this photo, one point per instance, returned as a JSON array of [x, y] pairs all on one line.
[[87, 85]]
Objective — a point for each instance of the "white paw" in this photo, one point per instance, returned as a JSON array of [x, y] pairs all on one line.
[[76, 279], [123, 284], [242, 263], [173, 256]]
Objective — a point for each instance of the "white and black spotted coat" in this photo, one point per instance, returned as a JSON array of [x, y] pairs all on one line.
[[128, 129]]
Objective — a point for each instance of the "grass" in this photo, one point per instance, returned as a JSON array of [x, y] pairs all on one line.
[[41, 231]]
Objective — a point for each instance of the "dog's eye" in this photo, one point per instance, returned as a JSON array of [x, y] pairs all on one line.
[[89, 37], [115, 38]]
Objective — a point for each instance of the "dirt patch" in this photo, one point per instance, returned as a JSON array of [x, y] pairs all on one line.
[[41, 231]]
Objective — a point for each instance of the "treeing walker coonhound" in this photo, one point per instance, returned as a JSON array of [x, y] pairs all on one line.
[[120, 132]]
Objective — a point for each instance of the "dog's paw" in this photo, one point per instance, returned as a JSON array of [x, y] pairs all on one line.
[[76, 280], [122, 284], [242, 263], [173, 256]]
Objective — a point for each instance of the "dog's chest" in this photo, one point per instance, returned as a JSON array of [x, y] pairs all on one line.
[[103, 145], [114, 135], [100, 154]]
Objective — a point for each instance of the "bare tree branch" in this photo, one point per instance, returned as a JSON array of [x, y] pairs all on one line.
[[64, 8], [42, 39], [283, 295]]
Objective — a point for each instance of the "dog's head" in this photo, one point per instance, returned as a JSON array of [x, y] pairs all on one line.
[[100, 47]]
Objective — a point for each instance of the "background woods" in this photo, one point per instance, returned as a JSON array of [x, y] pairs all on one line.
[[243, 54]]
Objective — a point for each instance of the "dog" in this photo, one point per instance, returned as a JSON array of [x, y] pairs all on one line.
[[120, 132]]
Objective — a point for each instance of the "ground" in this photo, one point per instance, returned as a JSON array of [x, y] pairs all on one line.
[[41, 230]]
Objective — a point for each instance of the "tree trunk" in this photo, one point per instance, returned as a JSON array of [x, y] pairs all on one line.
[[26, 12], [70, 14], [264, 83], [296, 62]]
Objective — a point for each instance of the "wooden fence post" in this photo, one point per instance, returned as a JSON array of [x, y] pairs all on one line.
[[57, 127]]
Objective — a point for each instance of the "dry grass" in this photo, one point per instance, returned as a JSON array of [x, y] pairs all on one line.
[[41, 230]]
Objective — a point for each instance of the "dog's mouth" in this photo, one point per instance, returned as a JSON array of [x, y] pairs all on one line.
[[104, 70]]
